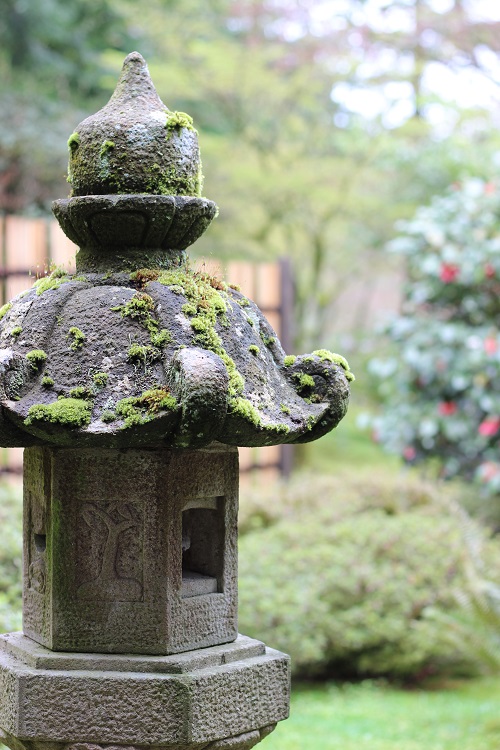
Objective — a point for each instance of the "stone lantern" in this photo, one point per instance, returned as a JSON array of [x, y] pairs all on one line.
[[131, 384]]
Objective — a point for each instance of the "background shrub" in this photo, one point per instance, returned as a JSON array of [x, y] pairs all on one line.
[[442, 386], [10, 558], [351, 576]]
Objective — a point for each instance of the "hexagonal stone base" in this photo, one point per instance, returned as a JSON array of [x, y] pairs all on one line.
[[219, 698]]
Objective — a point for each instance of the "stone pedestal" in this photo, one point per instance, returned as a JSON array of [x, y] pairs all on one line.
[[130, 551], [220, 698]]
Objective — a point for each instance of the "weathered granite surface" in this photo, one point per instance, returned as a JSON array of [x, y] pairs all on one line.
[[225, 697], [136, 349], [111, 537]]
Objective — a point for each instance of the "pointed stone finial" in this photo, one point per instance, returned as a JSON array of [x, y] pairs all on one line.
[[135, 144]]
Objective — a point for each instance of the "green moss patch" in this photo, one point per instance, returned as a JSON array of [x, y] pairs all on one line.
[[5, 309], [140, 307], [176, 121], [58, 277], [47, 381], [16, 331], [77, 338], [100, 379], [336, 359], [36, 358], [136, 410], [70, 412], [289, 360]]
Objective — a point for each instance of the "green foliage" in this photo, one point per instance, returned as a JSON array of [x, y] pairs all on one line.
[[346, 574], [442, 384], [10, 558]]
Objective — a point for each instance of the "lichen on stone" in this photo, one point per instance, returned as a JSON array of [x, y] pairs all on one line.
[[70, 412]]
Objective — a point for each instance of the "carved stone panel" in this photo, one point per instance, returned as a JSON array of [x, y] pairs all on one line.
[[131, 551]]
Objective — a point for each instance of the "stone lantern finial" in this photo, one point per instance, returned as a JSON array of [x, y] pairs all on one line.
[[136, 177]]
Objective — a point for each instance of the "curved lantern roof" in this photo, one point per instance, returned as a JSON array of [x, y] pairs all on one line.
[[136, 349]]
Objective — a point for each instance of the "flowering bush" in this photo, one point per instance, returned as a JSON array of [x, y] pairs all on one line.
[[442, 387]]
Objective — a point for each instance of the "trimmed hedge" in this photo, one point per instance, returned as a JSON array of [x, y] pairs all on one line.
[[350, 576]]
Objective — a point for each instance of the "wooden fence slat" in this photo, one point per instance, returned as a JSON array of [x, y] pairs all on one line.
[[26, 244], [62, 250]]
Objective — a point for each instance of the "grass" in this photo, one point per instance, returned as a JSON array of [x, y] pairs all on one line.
[[459, 715]]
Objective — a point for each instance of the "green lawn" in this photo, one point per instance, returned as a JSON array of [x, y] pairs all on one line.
[[461, 715]]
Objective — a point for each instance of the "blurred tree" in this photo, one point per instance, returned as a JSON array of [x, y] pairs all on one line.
[[294, 172], [50, 65]]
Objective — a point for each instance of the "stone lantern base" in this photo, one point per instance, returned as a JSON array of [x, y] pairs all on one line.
[[226, 697]]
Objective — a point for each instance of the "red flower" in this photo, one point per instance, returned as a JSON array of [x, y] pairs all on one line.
[[490, 345], [490, 188], [447, 408], [488, 471], [409, 453], [489, 271], [489, 426], [449, 272]]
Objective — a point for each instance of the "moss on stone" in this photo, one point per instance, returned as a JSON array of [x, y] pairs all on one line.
[[108, 416], [77, 338], [326, 356], [143, 276], [267, 340], [16, 331], [304, 381], [100, 379], [5, 309], [36, 358], [82, 391], [285, 409], [176, 121], [289, 360], [53, 281], [136, 410], [70, 412], [47, 381], [105, 148], [73, 142], [140, 308], [253, 349], [144, 354], [161, 339]]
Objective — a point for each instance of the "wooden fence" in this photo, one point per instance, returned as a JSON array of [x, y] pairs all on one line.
[[28, 247]]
